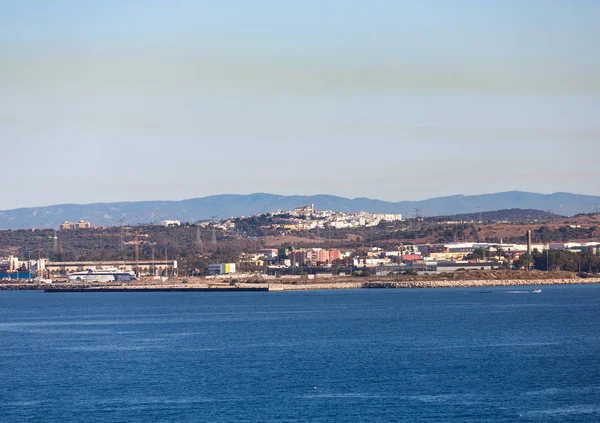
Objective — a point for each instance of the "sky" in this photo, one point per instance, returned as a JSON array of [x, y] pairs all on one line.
[[126, 100]]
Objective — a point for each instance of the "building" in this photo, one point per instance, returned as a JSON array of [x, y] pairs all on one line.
[[66, 226], [305, 210], [83, 224], [10, 263], [422, 267], [170, 223], [371, 262], [590, 249], [391, 217], [450, 251], [411, 257], [269, 252], [453, 266], [314, 256], [317, 255], [221, 268], [146, 267], [297, 257], [334, 255]]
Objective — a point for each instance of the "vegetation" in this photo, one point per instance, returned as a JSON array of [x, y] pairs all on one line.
[[506, 215], [566, 260]]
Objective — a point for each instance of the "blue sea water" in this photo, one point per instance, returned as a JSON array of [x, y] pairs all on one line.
[[443, 355]]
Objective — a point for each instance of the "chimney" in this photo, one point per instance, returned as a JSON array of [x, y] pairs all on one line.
[[528, 247]]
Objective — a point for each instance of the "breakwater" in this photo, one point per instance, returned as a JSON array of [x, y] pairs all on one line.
[[478, 283], [278, 287], [316, 286], [431, 284]]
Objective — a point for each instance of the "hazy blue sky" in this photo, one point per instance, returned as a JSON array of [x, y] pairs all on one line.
[[131, 100]]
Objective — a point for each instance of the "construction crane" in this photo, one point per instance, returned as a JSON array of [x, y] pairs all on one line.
[[136, 243]]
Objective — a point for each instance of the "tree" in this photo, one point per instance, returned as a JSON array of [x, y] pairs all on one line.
[[524, 261], [565, 260], [477, 254]]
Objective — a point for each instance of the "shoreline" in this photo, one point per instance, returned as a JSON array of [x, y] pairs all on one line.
[[281, 287]]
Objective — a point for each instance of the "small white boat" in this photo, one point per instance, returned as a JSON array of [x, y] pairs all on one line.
[[536, 291]]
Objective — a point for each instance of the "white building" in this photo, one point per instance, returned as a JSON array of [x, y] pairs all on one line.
[[392, 217]]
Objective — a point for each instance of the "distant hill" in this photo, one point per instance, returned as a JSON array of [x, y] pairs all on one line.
[[228, 205], [509, 215]]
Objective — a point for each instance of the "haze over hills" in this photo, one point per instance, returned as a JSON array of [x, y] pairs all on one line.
[[228, 205]]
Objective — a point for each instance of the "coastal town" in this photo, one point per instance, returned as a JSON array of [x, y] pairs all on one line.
[[303, 243]]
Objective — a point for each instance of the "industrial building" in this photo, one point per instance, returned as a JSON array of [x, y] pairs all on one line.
[[221, 268], [146, 267]]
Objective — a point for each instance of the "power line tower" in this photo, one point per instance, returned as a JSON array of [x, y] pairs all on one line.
[[417, 211], [121, 241], [54, 243], [213, 238], [199, 242]]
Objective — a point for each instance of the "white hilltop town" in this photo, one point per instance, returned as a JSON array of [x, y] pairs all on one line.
[[307, 218]]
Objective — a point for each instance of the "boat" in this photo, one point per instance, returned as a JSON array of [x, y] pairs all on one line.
[[102, 275], [536, 291]]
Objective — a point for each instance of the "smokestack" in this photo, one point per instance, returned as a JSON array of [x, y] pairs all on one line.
[[528, 247]]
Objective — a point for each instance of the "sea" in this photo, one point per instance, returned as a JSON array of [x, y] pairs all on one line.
[[500, 354]]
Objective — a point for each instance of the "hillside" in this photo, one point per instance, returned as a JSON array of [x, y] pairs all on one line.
[[507, 215], [228, 205]]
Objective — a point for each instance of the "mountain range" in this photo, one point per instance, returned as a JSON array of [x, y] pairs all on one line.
[[229, 205]]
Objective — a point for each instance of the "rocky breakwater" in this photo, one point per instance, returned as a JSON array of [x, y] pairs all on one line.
[[477, 283], [315, 286], [25, 286]]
